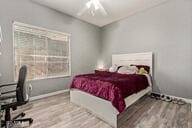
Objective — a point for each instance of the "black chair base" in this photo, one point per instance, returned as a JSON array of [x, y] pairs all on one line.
[[30, 120], [17, 119]]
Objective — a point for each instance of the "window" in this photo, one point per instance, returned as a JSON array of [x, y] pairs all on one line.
[[46, 53]]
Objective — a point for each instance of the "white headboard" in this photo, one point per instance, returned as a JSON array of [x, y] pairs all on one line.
[[145, 58]]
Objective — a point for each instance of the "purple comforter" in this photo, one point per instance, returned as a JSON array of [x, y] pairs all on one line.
[[113, 87]]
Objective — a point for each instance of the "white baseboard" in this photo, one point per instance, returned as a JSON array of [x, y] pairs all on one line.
[[184, 99], [48, 94]]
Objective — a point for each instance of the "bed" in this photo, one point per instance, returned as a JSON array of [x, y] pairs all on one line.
[[104, 107]]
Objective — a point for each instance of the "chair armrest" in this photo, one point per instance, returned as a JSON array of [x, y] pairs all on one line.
[[7, 97], [8, 92], [8, 84]]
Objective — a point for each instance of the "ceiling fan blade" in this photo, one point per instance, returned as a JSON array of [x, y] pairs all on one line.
[[103, 11], [82, 11], [88, 4]]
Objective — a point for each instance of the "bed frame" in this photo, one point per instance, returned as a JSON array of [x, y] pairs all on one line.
[[103, 108]]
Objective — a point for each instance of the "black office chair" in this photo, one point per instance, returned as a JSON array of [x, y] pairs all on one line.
[[21, 97]]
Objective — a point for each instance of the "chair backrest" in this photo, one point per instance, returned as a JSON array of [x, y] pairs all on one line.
[[21, 92]]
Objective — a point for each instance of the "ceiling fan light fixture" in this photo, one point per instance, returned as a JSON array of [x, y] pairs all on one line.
[[93, 6], [96, 4], [88, 4]]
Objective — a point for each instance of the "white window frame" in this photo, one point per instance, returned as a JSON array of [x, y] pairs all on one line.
[[45, 29]]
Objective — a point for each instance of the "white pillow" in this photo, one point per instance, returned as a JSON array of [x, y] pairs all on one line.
[[128, 70], [113, 68]]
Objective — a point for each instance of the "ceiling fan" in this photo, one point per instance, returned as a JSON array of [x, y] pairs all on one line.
[[93, 6]]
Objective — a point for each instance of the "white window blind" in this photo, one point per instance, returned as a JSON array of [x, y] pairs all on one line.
[[46, 53]]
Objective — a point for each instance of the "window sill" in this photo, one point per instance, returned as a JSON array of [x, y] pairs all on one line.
[[51, 77]]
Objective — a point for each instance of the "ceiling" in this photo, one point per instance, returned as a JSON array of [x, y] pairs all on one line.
[[116, 9]]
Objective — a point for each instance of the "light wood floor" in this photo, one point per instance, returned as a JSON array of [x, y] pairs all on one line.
[[58, 112]]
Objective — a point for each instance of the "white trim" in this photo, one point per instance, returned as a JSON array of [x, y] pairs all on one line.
[[42, 28], [36, 27], [184, 99], [50, 77], [48, 94]]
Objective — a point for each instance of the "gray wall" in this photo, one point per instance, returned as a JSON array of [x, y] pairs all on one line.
[[165, 30], [85, 40]]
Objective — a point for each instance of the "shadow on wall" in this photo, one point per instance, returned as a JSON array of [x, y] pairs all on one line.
[[156, 89]]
